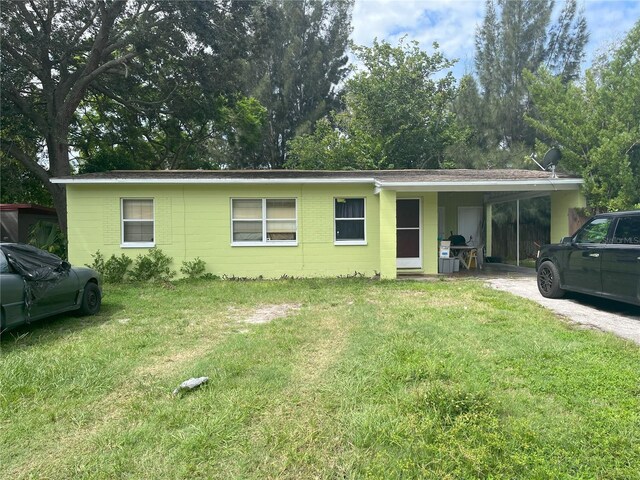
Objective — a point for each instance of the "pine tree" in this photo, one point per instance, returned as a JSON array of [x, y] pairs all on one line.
[[299, 61], [517, 35]]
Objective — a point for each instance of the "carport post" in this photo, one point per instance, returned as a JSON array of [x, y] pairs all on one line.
[[518, 232]]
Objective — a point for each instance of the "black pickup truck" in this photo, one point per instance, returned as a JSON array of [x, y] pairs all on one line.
[[602, 258]]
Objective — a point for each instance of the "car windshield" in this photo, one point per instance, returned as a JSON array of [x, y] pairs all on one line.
[[594, 232], [4, 265]]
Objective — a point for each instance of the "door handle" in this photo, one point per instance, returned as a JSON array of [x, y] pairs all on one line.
[[594, 255]]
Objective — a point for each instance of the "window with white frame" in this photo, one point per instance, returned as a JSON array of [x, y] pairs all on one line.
[[264, 221], [137, 222], [349, 214]]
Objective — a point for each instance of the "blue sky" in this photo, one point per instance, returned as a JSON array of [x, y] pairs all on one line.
[[452, 23]]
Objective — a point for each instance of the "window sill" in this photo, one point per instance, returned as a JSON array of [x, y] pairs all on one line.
[[350, 242], [264, 244], [138, 245]]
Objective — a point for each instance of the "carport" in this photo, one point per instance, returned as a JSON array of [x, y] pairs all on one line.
[[565, 216], [419, 209]]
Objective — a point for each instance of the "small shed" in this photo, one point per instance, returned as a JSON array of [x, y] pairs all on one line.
[[17, 219]]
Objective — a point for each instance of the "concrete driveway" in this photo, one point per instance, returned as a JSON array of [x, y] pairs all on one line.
[[618, 318]]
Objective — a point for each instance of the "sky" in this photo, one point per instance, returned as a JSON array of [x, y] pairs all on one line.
[[452, 23]]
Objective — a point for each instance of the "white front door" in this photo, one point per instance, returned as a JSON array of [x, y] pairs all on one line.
[[408, 233], [470, 224]]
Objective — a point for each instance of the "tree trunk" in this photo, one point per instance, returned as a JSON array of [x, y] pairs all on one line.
[[59, 194], [58, 149]]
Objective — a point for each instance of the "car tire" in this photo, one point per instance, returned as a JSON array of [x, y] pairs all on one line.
[[91, 300], [549, 280]]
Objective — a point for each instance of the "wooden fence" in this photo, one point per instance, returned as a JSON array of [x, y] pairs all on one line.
[[503, 239]]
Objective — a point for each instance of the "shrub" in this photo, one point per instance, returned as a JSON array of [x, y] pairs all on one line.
[[153, 267], [112, 270], [210, 276], [116, 268], [48, 236], [194, 268]]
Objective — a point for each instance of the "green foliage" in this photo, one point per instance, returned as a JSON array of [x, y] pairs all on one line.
[[515, 35], [112, 270], [194, 268], [20, 185], [597, 123], [48, 236], [330, 147], [397, 114], [152, 267], [147, 82], [299, 58]]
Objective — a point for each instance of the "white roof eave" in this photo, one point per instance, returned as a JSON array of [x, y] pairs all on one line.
[[220, 181], [484, 185]]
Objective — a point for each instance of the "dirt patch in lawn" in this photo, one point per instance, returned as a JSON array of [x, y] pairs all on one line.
[[267, 313]]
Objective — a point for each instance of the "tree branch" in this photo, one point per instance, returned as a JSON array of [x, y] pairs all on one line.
[[12, 150], [21, 58], [76, 39], [75, 96], [93, 69], [13, 95], [29, 20], [117, 98]]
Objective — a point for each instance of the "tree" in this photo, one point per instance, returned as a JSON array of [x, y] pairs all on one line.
[[516, 35], [20, 185], [397, 112], [597, 124], [163, 60], [299, 60]]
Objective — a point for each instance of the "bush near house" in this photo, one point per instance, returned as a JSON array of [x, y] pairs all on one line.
[[152, 267]]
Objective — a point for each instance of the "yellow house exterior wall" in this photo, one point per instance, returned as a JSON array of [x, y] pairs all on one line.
[[561, 202], [430, 233], [451, 201], [387, 224], [195, 221], [488, 215]]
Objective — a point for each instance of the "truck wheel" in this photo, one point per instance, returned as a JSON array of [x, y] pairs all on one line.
[[549, 280], [91, 300]]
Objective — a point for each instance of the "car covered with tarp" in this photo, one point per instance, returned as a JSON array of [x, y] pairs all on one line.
[[35, 284]]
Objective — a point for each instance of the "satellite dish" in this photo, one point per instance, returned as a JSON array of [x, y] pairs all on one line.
[[551, 158]]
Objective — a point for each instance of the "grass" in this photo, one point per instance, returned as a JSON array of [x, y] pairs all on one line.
[[361, 379]]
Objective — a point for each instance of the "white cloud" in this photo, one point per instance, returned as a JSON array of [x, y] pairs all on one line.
[[608, 22], [453, 23], [450, 23]]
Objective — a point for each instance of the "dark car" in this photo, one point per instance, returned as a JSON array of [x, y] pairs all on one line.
[[602, 258], [35, 284]]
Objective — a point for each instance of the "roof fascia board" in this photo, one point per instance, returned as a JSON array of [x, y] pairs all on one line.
[[483, 186], [180, 181]]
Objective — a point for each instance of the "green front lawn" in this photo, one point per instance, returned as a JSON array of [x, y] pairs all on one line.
[[359, 379]]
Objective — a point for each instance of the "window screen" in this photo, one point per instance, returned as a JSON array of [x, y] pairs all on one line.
[[137, 221], [264, 220], [349, 219]]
